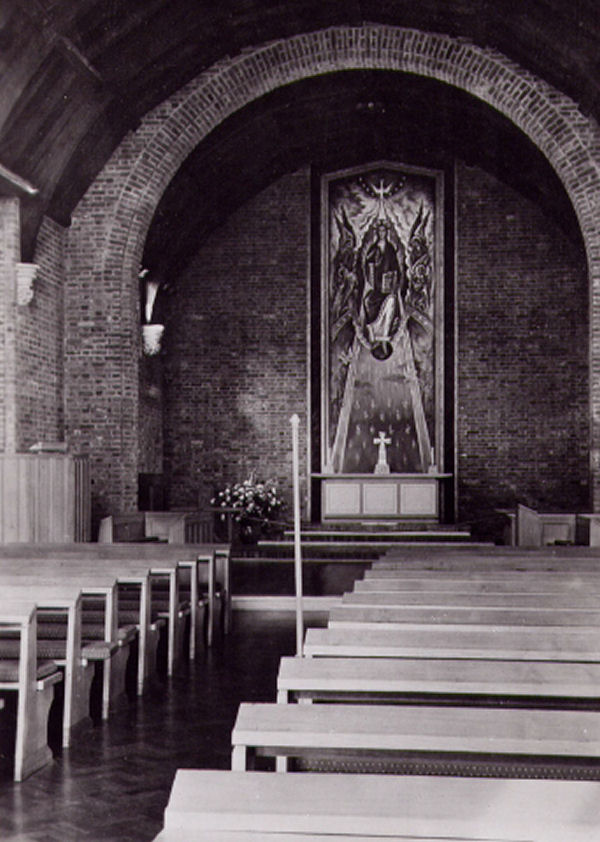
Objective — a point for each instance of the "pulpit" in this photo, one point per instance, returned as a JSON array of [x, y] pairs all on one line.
[[45, 496]]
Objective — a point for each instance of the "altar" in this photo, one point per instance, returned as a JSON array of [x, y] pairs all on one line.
[[376, 497]]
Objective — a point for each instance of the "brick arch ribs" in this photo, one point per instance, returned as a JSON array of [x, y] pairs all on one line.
[[111, 222]]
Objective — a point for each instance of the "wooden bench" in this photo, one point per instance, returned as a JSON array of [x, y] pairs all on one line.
[[550, 559], [523, 644], [401, 738], [134, 609], [227, 805], [211, 563], [390, 616], [206, 564], [135, 527], [435, 681], [475, 582], [32, 680], [133, 582], [569, 600], [62, 592], [126, 572]]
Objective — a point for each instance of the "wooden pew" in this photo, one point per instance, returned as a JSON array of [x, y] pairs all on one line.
[[549, 558], [33, 680], [211, 562], [569, 600], [435, 681], [507, 582], [134, 608], [126, 571], [391, 616], [506, 598], [427, 739], [62, 591], [528, 598], [134, 577], [236, 806], [516, 644], [63, 646]]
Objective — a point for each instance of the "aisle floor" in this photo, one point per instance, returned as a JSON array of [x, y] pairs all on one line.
[[114, 783]]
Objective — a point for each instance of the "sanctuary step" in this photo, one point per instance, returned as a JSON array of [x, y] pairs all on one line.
[[382, 531], [366, 540], [335, 556]]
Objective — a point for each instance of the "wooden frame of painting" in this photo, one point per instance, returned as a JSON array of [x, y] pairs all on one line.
[[382, 312]]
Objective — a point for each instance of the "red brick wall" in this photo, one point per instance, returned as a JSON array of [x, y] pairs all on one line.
[[235, 348], [236, 351], [110, 225], [150, 441], [523, 347], [102, 352], [40, 345]]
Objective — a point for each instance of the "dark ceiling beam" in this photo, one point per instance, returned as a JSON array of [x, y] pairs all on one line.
[[54, 26], [46, 23], [78, 74]]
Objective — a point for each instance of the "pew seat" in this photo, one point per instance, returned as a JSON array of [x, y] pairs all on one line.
[[423, 740], [392, 616], [490, 561], [228, 805], [514, 579], [63, 581], [211, 563], [431, 680], [61, 600], [89, 574], [32, 680], [529, 643], [570, 600]]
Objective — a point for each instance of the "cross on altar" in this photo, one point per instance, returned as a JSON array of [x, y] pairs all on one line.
[[382, 466]]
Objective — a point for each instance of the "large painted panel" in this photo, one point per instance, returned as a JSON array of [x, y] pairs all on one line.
[[382, 306]]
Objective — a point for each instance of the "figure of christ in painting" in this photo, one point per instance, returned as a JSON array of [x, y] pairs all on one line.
[[383, 288], [379, 375]]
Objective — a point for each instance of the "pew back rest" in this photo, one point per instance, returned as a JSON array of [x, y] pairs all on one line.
[[123, 527], [172, 527], [509, 643], [413, 728], [198, 528]]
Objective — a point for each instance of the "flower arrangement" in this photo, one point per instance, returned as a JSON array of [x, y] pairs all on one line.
[[255, 504]]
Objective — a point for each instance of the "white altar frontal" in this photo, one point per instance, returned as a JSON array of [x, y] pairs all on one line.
[[377, 497]]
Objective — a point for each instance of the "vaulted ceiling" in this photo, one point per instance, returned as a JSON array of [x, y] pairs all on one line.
[[77, 75]]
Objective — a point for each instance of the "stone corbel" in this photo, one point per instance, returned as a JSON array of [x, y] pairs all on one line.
[[26, 275], [151, 339]]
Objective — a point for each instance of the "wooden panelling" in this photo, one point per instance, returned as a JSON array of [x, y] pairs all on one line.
[[44, 498]]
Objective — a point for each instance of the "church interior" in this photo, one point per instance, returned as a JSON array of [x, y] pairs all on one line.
[[299, 402]]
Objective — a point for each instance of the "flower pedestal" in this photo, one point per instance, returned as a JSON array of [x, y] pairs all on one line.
[[249, 533]]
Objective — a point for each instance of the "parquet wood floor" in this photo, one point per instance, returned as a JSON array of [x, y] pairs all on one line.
[[114, 783]]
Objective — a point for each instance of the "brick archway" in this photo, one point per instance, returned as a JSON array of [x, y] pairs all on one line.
[[146, 161]]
